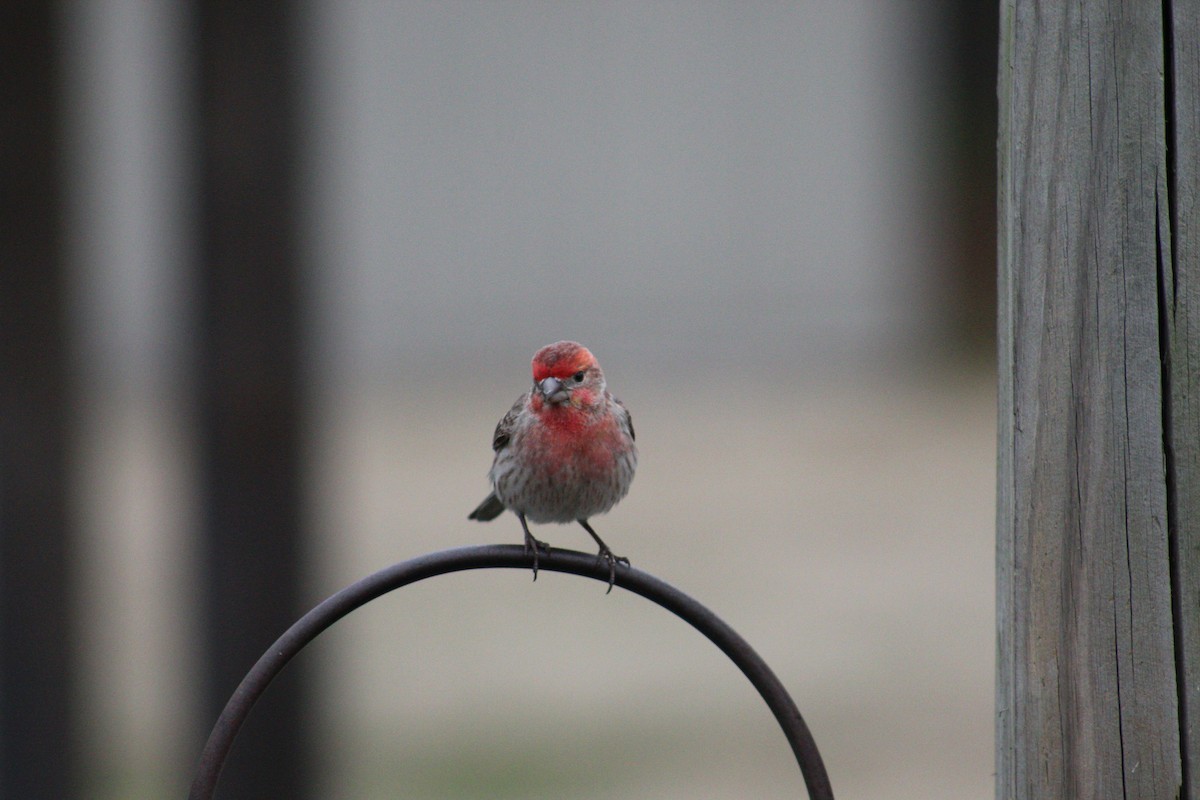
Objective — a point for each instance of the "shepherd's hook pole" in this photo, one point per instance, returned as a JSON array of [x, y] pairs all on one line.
[[220, 741]]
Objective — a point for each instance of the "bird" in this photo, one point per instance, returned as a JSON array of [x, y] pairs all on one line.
[[564, 452]]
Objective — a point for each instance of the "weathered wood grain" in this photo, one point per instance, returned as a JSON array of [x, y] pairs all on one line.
[[1086, 678], [1181, 312]]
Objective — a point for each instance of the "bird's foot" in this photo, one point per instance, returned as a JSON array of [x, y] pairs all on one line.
[[612, 559], [532, 544]]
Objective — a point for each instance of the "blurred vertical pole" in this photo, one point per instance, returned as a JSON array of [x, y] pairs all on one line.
[[967, 77], [1096, 611], [38, 755], [249, 377]]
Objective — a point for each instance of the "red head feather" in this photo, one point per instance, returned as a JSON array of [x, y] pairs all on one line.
[[561, 360]]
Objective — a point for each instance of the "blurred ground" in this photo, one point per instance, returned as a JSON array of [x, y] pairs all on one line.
[[843, 526]]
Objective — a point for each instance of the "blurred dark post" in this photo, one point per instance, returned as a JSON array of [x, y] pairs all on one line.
[[1098, 494], [965, 76], [974, 35], [249, 380], [38, 755]]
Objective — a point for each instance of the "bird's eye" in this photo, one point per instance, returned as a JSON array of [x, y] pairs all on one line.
[[578, 376]]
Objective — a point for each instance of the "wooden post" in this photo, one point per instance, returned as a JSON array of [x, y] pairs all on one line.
[[1098, 501], [1181, 321]]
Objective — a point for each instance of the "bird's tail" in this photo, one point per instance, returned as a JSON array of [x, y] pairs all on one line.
[[490, 508]]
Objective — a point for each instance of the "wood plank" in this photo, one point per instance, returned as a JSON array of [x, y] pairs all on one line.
[[1086, 694], [1181, 308]]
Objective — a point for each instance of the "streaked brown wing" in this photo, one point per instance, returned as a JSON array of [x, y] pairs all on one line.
[[625, 417], [504, 427]]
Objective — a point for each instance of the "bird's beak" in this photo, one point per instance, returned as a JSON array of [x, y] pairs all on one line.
[[553, 390]]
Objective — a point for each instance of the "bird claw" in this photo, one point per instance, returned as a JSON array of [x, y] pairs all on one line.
[[613, 559], [532, 544]]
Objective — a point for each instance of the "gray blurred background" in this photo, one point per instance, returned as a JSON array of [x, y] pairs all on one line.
[[773, 225]]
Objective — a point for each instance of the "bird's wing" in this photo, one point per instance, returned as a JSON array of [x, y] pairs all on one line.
[[505, 426], [624, 418]]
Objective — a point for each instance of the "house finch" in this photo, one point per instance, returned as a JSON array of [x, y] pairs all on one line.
[[564, 451]]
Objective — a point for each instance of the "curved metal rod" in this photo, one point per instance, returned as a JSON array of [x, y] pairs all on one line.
[[511, 556]]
